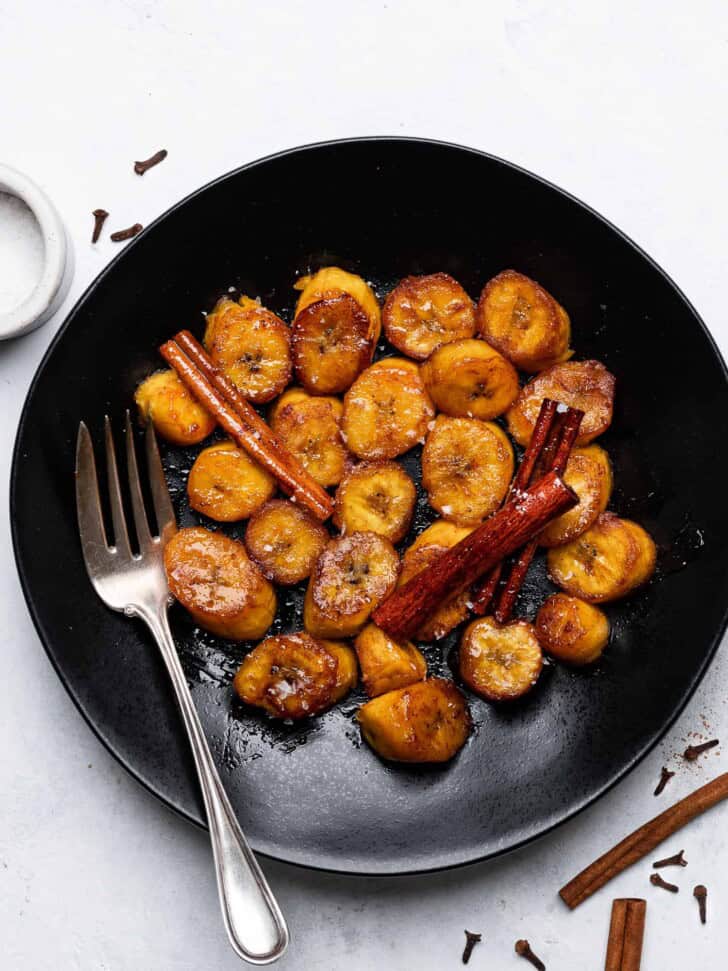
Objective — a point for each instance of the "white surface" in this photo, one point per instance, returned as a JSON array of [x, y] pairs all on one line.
[[623, 107]]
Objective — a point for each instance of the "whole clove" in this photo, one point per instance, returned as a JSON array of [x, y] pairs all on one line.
[[701, 895], [470, 941], [121, 234], [100, 217], [657, 881], [141, 167], [677, 860], [665, 776], [523, 949], [693, 751]]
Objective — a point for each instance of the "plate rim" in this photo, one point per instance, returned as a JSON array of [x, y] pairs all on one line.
[[265, 849]]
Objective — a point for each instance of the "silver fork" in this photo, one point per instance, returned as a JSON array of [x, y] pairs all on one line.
[[136, 585]]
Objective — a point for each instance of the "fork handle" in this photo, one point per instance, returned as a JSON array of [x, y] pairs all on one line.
[[253, 920]]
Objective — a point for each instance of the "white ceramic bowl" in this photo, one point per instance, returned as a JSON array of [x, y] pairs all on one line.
[[55, 278]]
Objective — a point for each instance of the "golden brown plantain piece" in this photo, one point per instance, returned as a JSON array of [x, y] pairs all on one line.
[[387, 410], [467, 466], [347, 670], [387, 664], [226, 484], [251, 345], [423, 312], [586, 385], [500, 662], [523, 321], [571, 630], [452, 611], [376, 496], [335, 330], [212, 577], [285, 541], [352, 576], [589, 473], [176, 415], [441, 533], [290, 676], [425, 722], [309, 428], [470, 379], [608, 561]]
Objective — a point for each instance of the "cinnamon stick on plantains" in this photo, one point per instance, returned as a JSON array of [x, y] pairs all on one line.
[[240, 420], [626, 930], [521, 480], [643, 841], [455, 569]]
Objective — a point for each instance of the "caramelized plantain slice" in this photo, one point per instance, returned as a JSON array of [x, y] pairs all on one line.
[[352, 576], [523, 321], [285, 541], [470, 379], [589, 473], [226, 484], [452, 611], [500, 662], [387, 410], [425, 722], [375, 496], [251, 345], [309, 427], [467, 466], [212, 577], [347, 670], [586, 385], [441, 533], [335, 331], [176, 415], [387, 664], [290, 676], [423, 312], [572, 630], [608, 561]]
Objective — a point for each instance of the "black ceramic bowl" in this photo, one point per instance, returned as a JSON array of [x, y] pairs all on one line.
[[386, 208]]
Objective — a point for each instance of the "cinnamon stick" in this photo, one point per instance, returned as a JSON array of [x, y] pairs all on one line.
[[555, 455], [484, 594], [643, 841], [455, 569], [248, 433], [626, 930]]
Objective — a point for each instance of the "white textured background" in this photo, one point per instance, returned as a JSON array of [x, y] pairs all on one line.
[[624, 107]]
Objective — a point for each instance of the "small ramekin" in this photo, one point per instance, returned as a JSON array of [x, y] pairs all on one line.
[[55, 279]]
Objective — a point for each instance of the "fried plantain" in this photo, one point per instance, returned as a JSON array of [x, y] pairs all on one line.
[[523, 321], [175, 413], [335, 330], [467, 466], [427, 721], [347, 669], [375, 496], [226, 484], [586, 385], [212, 577], [352, 576], [285, 541], [441, 533], [387, 664], [589, 473], [387, 410], [470, 379], [423, 312], [309, 427], [289, 676], [252, 346], [608, 561], [452, 611], [571, 630], [500, 662]]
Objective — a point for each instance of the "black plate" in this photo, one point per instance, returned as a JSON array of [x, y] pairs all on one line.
[[385, 208]]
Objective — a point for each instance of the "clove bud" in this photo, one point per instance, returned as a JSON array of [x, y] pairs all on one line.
[[523, 949]]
